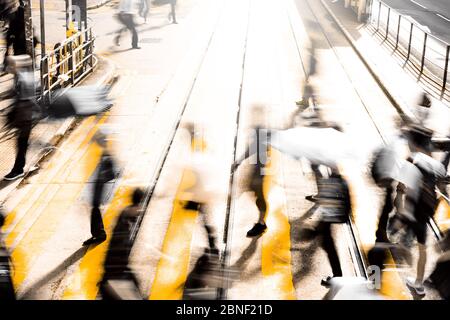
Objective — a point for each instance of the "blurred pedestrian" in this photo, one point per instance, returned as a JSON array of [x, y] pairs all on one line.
[[386, 163], [172, 14], [258, 147], [423, 108], [420, 200], [309, 98], [204, 190], [119, 282], [21, 113], [126, 17], [6, 285], [105, 173], [334, 207]]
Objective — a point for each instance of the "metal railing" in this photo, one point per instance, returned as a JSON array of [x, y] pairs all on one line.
[[428, 54], [67, 64]]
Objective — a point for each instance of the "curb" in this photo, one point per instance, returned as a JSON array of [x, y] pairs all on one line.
[[98, 5], [404, 111]]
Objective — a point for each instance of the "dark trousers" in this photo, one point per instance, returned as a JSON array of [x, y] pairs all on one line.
[[172, 12], [327, 243], [24, 133], [127, 20], [381, 234], [97, 228], [260, 199]]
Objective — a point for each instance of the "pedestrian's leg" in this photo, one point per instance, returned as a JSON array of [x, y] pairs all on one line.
[[97, 228], [209, 229], [381, 233], [172, 12], [135, 39], [22, 147], [121, 30], [421, 262], [330, 249], [261, 203], [129, 22]]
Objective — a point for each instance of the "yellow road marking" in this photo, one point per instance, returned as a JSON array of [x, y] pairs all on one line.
[[83, 284], [172, 269], [276, 244]]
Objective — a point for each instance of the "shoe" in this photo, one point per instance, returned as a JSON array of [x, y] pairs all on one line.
[[93, 240], [136, 47], [258, 229], [13, 175], [312, 198], [175, 22], [418, 289], [326, 282]]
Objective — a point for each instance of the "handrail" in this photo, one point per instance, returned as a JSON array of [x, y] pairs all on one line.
[[69, 62], [415, 23], [430, 52]]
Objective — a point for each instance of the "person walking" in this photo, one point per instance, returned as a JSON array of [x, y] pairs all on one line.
[[259, 147], [116, 263], [20, 116], [105, 173], [334, 207], [126, 17], [420, 200]]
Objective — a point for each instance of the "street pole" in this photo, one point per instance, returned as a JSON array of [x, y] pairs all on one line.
[[29, 41], [42, 16], [44, 61]]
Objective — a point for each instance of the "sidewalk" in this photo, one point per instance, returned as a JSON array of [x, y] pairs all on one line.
[[45, 135], [400, 87]]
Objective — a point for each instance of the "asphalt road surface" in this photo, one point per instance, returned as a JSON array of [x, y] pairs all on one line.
[[431, 14]]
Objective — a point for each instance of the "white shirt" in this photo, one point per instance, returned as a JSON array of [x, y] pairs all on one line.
[[127, 6]]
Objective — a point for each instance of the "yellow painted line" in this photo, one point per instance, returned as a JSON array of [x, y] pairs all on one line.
[[83, 284], [52, 210], [172, 269], [392, 284], [276, 244]]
